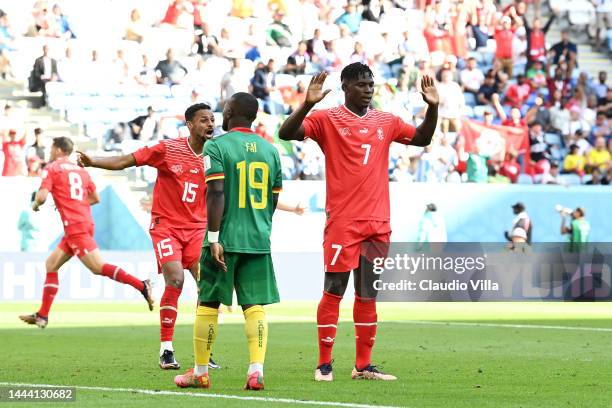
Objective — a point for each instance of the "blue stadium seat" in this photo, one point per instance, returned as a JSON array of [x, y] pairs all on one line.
[[524, 179]]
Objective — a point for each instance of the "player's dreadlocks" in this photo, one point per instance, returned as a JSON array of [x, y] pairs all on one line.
[[355, 71]]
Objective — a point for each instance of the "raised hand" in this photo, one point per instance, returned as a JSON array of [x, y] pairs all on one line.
[[429, 91], [315, 92], [83, 160]]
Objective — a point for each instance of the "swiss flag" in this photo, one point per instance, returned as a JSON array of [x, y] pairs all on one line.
[[494, 140]]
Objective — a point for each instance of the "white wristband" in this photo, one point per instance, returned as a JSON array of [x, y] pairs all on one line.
[[213, 237]]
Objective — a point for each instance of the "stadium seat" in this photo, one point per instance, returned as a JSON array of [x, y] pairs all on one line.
[[524, 179], [571, 179], [553, 139]]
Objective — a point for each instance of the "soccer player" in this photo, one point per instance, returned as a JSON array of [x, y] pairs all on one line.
[[74, 192], [178, 216], [355, 140], [244, 178]]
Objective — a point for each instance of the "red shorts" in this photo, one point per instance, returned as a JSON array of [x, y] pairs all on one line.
[[174, 244], [80, 242], [342, 242]]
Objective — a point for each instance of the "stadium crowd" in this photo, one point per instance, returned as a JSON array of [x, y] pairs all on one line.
[[493, 63]]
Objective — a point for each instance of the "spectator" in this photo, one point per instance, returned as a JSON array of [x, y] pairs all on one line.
[[36, 151], [487, 90], [170, 71], [565, 51], [536, 74], [606, 105], [235, 80], [13, 155], [350, 18], [316, 45], [135, 28], [579, 138], [206, 44], [452, 103], [227, 45], [6, 70], [477, 169], [536, 37], [601, 128], [504, 36], [472, 77], [517, 94], [574, 162], [144, 127], [552, 176], [263, 84], [510, 167], [596, 178], [44, 70], [598, 156], [120, 68], [359, 54], [495, 177], [539, 112], [447, 159], [61, 23], [539, 149], [278, 32], [179, 14], [7, 37], [559, 82], [601, 87], [576, 123], [607, 180], [296, 62], [145, 75]]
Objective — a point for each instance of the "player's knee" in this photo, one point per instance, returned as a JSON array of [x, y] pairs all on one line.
[[174, 280], [50, 266]]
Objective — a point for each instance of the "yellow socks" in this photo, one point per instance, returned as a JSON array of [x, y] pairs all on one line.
[[256, 330], [204, 334]]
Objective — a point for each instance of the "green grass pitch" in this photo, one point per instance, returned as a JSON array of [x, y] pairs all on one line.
[[445, 355]]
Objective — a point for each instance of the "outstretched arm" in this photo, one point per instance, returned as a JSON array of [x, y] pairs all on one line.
[[425, 131], [108, 163], [292, 128]]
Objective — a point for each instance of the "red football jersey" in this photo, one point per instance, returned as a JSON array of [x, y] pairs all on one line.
[[70, 185], [179, 195], [357, 159]]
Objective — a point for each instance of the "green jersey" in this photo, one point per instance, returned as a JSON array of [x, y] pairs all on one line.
[[251, 170], [579, 234]]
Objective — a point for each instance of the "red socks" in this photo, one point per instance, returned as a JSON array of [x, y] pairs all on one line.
[[121, 276], [364, 315], [49, 291], [327, 324], [167, 312]]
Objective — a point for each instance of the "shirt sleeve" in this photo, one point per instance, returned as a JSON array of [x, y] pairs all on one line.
[[278, 177], [47, 179], [150, 155], [313, 125], [404, 133], [213, 162]]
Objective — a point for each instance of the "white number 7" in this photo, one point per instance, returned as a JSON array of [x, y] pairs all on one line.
[[367, 154], [338, 248]]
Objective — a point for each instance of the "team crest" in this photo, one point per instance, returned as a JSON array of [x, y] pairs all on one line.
[[176, 168], [379, 131]]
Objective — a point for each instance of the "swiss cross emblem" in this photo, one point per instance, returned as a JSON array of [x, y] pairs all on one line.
[[379, 131]]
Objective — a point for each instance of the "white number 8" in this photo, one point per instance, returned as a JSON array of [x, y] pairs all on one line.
[[76, 186]]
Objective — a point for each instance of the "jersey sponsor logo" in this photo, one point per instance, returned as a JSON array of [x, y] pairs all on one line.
[[176, 168], [379, 131], [194, 171], [344, 131], [206, 162]]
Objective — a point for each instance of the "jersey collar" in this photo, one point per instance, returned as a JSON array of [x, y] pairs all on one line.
[[354, 114], [190, 149], [241, 129]]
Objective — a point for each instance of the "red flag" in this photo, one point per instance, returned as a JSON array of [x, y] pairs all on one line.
[[493, 140]]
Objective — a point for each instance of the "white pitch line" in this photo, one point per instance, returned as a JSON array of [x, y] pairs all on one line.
[[510, 326], [200, 395]]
